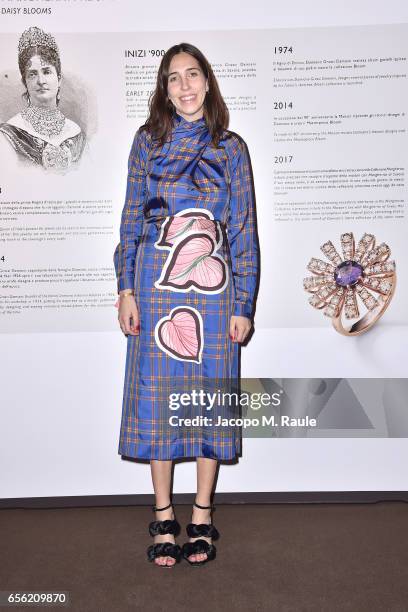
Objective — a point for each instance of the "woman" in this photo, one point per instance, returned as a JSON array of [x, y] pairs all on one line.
[[187, 267], [41, 134]]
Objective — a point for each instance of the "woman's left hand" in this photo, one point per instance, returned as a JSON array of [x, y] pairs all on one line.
[[239, 328]]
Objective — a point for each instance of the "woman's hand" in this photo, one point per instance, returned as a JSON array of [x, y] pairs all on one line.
[[239, 328], [128, 315]]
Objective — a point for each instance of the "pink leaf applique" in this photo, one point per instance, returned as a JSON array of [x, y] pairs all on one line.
[[180, 335], [191, 265], [190, 220]]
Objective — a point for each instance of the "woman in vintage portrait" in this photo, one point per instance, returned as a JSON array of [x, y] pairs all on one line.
[[41, 134], [187, 267]]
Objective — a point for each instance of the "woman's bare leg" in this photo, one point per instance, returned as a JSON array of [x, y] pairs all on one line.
[[161, 477], [206, 470]]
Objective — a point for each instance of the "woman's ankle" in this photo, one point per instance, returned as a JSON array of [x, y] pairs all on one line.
[[162, 505], [205, 503]]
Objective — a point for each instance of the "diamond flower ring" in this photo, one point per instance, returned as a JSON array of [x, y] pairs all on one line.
[[364, 276]]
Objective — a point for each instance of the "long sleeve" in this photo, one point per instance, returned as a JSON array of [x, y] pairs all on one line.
[[242, 235], [132, 214]]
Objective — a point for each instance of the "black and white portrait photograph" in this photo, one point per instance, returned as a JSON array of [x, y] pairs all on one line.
[[48, 129]]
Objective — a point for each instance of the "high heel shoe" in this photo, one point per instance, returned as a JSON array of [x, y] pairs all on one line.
[[164, 549], [200, 530]]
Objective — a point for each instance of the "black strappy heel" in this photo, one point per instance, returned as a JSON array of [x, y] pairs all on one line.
[[164, 549], [195, 530]]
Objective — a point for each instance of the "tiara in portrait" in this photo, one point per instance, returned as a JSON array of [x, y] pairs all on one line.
[[33, 37]]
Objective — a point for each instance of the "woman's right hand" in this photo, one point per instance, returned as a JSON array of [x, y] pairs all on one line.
[[128, 315]]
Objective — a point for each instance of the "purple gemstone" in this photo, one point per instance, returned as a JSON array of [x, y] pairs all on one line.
[[348, 273]]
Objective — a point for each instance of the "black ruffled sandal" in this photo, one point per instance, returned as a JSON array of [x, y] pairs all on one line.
[[164, 549], [195, 530]]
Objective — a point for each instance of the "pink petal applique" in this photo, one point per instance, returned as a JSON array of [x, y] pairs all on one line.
[[192, 265], [180, 335]]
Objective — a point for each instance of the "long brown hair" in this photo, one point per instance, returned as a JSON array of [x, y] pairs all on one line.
[[161, 109]]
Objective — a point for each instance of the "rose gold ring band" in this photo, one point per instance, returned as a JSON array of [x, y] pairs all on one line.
[[370, 318]]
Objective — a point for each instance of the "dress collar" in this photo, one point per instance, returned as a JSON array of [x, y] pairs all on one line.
[[182, 127]]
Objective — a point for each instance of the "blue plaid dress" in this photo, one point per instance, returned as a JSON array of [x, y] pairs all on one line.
[[188, 247]]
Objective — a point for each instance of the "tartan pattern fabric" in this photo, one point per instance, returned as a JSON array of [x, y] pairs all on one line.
[[191, 348]]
